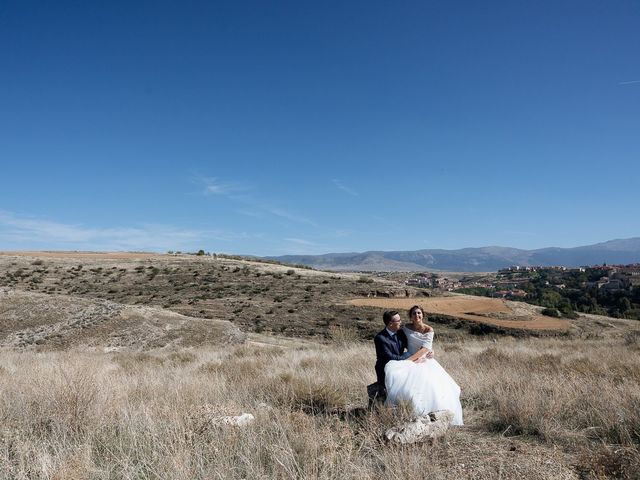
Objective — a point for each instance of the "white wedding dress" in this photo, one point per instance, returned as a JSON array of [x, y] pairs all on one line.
[[426, 385]]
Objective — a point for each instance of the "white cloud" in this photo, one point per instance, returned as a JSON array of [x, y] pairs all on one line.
[[287, 215], [521, 233], [250, 205], [22, 232], [630, 82], [249, 213], [301, 241], [341, 233], [301, 246], [344, 188], [213, 186], [28, 227]]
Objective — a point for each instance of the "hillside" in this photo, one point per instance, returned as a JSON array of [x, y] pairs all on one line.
[[128, 301], [121, 366], [483, 259], [254, 296]]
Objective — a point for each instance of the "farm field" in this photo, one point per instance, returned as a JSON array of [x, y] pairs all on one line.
[[492, 311]]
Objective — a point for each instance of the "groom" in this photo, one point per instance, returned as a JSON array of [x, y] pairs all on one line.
[[391, 344]]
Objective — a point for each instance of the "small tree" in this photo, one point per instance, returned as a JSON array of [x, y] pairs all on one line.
[[624, 304], [200, 252]]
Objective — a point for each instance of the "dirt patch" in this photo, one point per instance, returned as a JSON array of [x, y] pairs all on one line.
[[490, 311]]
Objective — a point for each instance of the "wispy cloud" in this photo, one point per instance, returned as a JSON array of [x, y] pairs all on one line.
[[301, 246], [25, 232], [249, 213], [301, 241], [256, 209], [344, 188], [521, 233], [287, 215], [342, 233], [629, 82], [215, 186], [28, 227], [250, 204]]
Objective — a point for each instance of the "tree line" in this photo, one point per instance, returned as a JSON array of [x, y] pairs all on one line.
[[563, 293]]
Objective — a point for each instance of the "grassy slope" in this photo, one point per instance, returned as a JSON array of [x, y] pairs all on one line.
[[565, 407]]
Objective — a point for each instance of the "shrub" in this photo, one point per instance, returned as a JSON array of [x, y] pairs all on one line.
[[182, 357], [310, 396]]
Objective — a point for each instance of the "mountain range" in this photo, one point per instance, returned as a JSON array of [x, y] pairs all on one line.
[[483, 259]]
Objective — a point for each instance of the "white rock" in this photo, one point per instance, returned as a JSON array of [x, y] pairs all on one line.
[[421, 428], [238, 421]]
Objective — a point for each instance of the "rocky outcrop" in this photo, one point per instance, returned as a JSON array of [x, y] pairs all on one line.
[[208, 417], [37, 321], [397, 293], [421, 429]]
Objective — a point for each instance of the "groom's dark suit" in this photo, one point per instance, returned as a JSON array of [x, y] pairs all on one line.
[[389, 347]]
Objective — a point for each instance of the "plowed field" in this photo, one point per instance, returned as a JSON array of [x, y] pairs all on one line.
[[492, 311]]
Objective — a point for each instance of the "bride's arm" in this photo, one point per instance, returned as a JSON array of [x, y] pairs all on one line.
[[426, 349], [420, 353]]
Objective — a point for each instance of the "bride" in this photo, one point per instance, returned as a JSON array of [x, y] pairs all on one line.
[[423, 381]]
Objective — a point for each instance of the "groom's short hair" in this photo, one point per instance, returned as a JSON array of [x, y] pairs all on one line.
[[388, 316]]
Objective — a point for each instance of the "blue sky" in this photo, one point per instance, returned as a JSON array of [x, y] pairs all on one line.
[[271, 128]]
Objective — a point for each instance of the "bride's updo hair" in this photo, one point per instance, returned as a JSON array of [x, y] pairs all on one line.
[[414, 308]]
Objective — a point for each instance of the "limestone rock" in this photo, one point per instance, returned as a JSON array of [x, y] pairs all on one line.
[[39, 321], [422, 428], [237, 420], [205, 417]]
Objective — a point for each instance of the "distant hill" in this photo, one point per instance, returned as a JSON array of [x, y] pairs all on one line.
[[484, 259]]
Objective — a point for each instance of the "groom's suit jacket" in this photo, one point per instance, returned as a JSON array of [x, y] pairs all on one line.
[[389, 348]]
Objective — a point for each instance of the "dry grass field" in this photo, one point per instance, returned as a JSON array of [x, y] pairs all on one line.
[[103, 376], [537, 408]]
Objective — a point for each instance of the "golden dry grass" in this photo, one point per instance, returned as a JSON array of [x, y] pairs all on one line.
[[534, 408]]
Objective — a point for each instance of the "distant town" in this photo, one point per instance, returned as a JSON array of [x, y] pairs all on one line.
[[601, 289]]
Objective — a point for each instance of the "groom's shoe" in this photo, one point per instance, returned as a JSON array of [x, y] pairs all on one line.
[[376, 393]]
